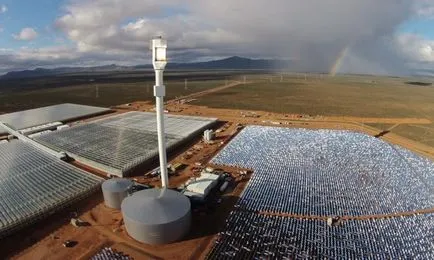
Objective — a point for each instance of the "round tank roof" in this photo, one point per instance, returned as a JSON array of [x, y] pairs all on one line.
[[155, 206], [117, 184]]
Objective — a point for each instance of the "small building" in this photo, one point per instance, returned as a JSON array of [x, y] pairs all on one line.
[[194, 196], [203, 184]]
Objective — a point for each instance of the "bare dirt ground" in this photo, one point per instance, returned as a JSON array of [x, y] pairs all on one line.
[[348, 217], [49, 234]]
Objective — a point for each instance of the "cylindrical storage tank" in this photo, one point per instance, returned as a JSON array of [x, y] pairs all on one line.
[[115, 191], [157, 216], [224, 186], [205, 135]]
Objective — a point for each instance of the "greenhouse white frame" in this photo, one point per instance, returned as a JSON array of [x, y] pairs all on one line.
[[34, 184], [119, 144], [44, 115]]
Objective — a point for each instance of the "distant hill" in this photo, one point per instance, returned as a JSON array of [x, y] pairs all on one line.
[[424, 72], [232, 63], [41, 72]]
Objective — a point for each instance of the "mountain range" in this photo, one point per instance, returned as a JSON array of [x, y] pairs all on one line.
[[232, 63]]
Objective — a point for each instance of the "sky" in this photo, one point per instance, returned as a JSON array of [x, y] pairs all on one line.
[[394, 37]]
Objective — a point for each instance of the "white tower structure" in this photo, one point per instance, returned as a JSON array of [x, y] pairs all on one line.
[[159, 61]]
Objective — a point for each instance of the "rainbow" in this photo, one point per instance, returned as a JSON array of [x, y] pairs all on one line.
[[338, 63]]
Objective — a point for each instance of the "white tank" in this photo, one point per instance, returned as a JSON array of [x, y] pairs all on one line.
[[115, 191], [157, 216], [224, 186]]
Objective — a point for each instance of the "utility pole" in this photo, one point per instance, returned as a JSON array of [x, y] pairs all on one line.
[[96, 91], [186, 84]]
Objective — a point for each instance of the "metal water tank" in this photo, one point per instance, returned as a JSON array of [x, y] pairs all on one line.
[[157, 216], [115, 191]]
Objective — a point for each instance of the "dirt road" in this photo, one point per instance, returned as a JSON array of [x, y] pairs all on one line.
[[348, 217], [205, 92]]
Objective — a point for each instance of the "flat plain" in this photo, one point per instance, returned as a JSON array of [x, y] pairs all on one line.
[[317, 95], [346, 96], [339, 96], [102, 89]]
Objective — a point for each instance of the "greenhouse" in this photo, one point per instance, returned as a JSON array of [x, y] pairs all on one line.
[[121, 143], [34, 184], [44, 115], [174, 125]]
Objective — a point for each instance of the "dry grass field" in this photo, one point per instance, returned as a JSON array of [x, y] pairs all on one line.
[[105, 94], [295, 93], [103, 88], [316, 95], [330, 97], [420, 133]]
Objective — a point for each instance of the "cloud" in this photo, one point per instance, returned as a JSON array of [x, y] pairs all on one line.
[[427, 12], [47, 54], [415, 47], [26, 34], [287, 23], [26, 58], [104, 30], [425, 8], [3, 9], [58, 56], [312, 33]]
